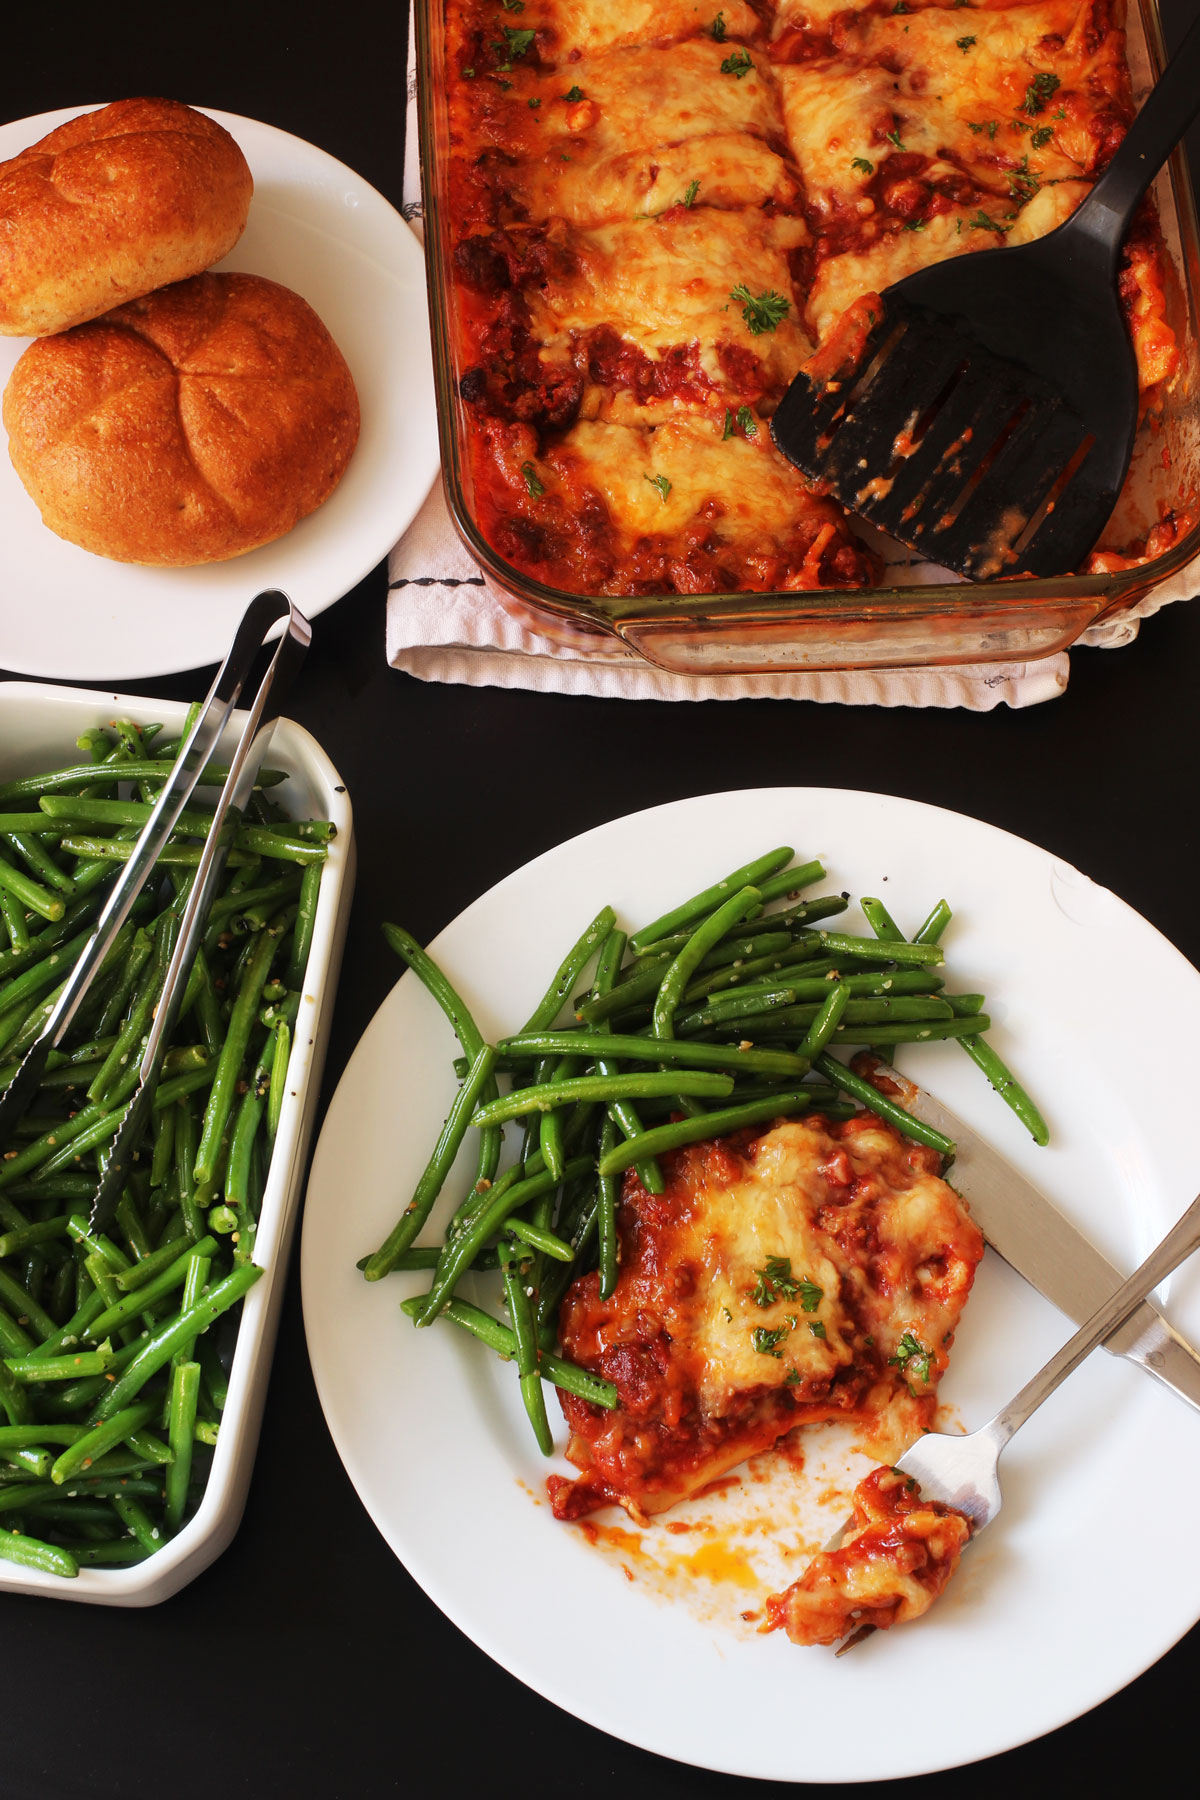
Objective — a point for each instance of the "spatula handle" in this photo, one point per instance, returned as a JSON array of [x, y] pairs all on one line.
[[1170, 107]]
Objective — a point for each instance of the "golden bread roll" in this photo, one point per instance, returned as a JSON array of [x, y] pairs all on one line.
[[112, 205], [186, 427]]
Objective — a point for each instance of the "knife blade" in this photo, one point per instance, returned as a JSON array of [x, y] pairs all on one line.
[[1042, 1245]]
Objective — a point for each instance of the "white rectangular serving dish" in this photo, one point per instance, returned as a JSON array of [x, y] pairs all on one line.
[[38, 728]]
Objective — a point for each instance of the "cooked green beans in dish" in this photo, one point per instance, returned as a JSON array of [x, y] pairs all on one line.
[[115, 1344], [716, 1017]]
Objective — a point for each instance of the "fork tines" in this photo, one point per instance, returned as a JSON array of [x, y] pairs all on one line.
[[969, 459]]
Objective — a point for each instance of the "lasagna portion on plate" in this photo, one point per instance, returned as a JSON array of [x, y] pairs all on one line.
[[816, 1271], [660, 210]]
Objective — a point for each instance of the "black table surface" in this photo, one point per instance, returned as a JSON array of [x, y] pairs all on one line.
[[306, 1660]]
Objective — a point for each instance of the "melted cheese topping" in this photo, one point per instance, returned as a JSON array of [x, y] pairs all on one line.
[[763, 1288], [590, 25], [669, 281], [657, 482]]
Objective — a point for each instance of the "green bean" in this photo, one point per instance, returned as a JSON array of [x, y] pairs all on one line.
[[684, 1054], [463, 1025], [550, 1129], [623, 1112], [870, 1096], [162, 1344], [827, 1021], [639, 986], [279, 1077], [233, 1051], [495, 1208], [194, 1285], [14, 1400], [963, 1006], [790, 881], [30, 893], [27, 1308], [524, 1331], [13, 915], [539, 1239], [762, 868], [606, 1213], [916, 1031], [138, 1522], [32, 787], [436, 1170], [13, 1242], [631, 1085], [880, 919], [157, 1287], [576, 959], [181, 1424], [706, 934], [1008, 1087], [933, 930], [306, 917], [32, 1553], [566, 1375], [39, 859], [60, 1368], [897, 950], [722, 1120]]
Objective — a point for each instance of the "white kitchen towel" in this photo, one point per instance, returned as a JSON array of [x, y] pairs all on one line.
[[443, 623]]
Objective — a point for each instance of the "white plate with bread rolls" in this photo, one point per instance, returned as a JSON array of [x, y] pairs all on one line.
[[214, 350]]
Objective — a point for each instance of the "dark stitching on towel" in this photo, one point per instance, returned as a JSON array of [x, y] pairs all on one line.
[[437, 581]]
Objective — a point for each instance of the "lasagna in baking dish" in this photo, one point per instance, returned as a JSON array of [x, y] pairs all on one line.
[[814, 1272], [660, 208]]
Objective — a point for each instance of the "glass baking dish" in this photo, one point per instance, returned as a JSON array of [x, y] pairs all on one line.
[[934, 622]]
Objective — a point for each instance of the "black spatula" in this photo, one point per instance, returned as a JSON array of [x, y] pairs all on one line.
[[989, 420]]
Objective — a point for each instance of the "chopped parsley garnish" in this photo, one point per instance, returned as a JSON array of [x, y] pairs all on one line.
[[1022, 183], [767, 1342], [534, 104], [817, 1327], [1060, 114], [728, 1315], [914, 224], [661, 483], [793, 1378], [738, 64], [531, 481], [775, 1281], [515, 44], [468, 74], [745, 419], [573, 93], [762, 312], [513, 5], [912, 1357], [981, 222], [964, 43], [991, 126], [900, 7], [1041, 89], [1042, 136], [718, 28], [690, 192], [893, 137], [862, 165], [728, 431]]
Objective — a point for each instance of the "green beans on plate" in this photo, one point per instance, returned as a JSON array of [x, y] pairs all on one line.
[[717, 1017], [114, 1345]]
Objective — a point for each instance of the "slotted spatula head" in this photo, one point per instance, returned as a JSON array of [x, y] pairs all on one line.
[[986, 417]]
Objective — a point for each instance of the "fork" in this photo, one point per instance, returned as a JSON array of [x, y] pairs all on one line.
[[963, 1472]]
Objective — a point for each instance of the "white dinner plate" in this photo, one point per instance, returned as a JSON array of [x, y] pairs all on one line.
[[1074, 1591], [321, 230]]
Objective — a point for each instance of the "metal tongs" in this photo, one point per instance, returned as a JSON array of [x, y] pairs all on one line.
[[262, 614]]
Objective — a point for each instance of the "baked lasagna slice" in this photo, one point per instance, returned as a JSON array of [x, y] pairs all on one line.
[[814, 1272], [896, 1557]]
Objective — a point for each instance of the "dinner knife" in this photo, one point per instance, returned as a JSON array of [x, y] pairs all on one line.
[[1051, 1253]]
